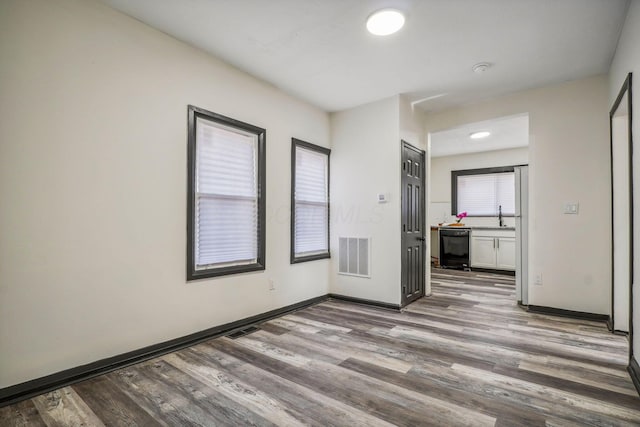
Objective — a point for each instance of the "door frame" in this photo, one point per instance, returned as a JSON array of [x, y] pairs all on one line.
[[422, 153], [624, 90], [522, 234]]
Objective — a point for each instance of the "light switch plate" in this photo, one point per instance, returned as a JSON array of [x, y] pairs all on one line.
[[571, 208]]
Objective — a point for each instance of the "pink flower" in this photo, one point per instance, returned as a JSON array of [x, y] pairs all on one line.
[[461, 215]]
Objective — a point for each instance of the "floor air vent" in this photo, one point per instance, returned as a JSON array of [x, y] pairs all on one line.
[[243, 332], [354, 256]]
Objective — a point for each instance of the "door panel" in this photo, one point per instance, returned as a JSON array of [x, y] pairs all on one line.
[[483, 252], [506, 253], [413, 214]]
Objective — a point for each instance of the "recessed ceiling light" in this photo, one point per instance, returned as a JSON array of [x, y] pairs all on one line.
[[385, 22], [480, 134]]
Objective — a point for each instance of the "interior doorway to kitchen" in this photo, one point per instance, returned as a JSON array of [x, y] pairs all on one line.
[[478, 183]]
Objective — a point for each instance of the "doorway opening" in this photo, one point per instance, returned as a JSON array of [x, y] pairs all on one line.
[[478, 181], [621, 213]]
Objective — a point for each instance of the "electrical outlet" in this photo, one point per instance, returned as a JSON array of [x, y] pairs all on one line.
[[538, 279], [272, 285]]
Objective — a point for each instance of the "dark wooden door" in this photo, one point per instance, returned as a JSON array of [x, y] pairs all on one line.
[[413, 223]]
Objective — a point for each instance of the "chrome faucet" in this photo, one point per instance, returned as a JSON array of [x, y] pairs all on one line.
[[500, 220]]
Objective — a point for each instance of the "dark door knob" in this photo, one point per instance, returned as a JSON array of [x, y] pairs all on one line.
[[422, 239]]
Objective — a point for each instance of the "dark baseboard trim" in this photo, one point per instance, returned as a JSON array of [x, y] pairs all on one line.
[[634, 372], [491, 270], [379, 304], [28, 389], [615, 331], [567, 313]]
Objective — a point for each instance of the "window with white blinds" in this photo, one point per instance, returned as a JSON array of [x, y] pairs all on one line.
[[227, 216], [482, 193], [310, 202]]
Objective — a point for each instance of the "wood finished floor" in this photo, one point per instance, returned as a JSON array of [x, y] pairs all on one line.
[[464, 356]]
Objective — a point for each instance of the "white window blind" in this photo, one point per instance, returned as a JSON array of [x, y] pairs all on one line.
[[311, 227], [480, 195], [226, 222]]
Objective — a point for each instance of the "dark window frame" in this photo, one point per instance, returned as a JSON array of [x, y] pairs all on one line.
[[192, 274], [295, 143], [480, 171]]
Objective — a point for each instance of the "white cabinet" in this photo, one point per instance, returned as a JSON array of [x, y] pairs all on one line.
[[506, 253], [483, 251], [494, 249]]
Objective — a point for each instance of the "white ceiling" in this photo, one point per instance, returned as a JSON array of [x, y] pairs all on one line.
[[320, 51], [506, 132]]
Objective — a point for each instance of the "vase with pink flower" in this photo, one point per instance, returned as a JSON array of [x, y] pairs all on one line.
[[459, 217]]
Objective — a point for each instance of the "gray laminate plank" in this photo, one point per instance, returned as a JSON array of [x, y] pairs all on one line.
[[112, 405], [550, 397], [507, 412], [193, 401], [313, 408], [64, 407], [21, 414], [264, 408], [383, 400]]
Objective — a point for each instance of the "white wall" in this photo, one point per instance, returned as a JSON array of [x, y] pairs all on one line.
[[627, 60], [441, 167], [365, 161], [412, 124], [93, 187], [569, 161]]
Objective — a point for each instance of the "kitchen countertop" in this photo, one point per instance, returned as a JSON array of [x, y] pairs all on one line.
[[490, 227], [475, 227]]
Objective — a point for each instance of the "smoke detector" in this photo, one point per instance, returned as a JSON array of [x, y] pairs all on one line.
[[481, 67]]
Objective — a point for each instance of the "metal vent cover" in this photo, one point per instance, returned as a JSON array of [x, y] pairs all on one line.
[[354, 256], [243, 332]]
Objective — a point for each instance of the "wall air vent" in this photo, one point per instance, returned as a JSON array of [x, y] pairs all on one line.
[[354, 256]]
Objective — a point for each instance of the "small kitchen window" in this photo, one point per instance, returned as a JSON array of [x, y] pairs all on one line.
[[483, 192]]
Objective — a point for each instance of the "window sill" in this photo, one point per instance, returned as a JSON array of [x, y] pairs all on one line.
[[487, 216], [223, 271], [297, 260]]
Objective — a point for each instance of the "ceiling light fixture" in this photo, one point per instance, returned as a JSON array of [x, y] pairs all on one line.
[[481, 67], [385, 22], [480, 134]]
